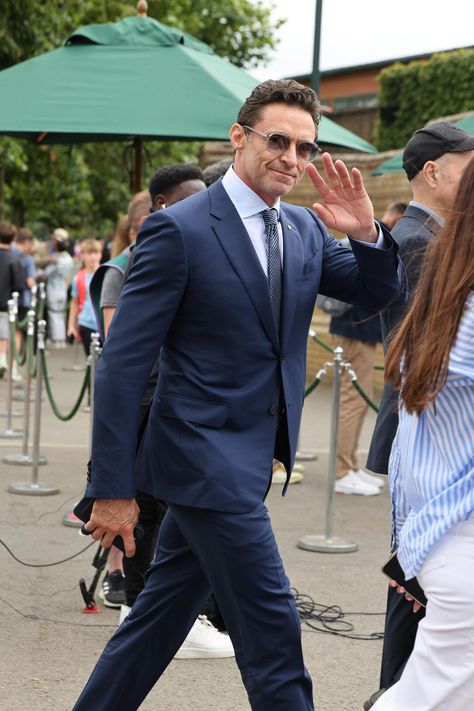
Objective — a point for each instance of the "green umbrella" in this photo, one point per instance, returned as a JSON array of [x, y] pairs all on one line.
[[135, 79], [395, 164]]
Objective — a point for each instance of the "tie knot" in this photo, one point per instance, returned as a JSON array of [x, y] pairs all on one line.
[[270, 217]]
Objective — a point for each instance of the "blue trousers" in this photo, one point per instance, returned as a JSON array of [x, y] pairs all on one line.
[[235, 556]]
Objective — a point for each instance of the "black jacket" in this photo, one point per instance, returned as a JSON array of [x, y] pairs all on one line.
[[412, 233], [12, 277]]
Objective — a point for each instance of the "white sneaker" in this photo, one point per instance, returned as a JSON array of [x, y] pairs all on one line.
[[279, 476], [204, 641], [124, 612], [351, 484], [369, 478]]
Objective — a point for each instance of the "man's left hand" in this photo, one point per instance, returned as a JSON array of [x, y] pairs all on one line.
[[345, 205], [114, 517]]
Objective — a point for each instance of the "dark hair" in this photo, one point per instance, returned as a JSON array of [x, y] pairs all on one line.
[[216, 170], [24, 235], [7, 232], [281, 91], [165, 179], [428, 331]]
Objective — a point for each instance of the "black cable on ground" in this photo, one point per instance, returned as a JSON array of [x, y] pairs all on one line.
[[44, 565]]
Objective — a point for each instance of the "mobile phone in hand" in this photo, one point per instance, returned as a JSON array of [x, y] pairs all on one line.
[[394, 570]]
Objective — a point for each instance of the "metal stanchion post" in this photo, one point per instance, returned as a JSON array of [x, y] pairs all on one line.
[[24, 458], [9, 432], [34, 488], [327, 542]]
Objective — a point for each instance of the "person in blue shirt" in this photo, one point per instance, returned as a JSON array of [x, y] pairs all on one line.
[[431, 468]]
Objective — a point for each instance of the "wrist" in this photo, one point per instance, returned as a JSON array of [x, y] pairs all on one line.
[[366, 234]]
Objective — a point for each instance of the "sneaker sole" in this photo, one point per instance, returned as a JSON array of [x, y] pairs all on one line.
[[357, 493], [114, 605], [203, 654]]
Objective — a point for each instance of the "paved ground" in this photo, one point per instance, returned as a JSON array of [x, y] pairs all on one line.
[[48, 647]]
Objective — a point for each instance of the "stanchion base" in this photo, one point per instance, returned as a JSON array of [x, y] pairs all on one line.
[[306, 455], [320, 544], [20, 397], [11, 434], [74, 368], [22, 460], [28, 488]]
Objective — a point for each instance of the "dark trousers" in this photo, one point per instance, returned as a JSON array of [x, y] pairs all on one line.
[[401, 625], [86, 334], [236, 555]]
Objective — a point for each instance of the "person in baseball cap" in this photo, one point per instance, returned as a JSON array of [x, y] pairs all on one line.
[[433, 141]]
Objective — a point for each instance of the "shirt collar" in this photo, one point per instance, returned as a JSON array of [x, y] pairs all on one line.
[[245, 201]]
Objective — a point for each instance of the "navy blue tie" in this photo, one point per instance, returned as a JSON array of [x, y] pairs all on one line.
[[270, 218]]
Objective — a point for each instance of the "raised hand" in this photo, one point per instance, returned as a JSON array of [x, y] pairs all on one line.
[[345, 205]]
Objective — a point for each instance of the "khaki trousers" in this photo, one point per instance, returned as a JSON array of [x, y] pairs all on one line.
[[353, 408]]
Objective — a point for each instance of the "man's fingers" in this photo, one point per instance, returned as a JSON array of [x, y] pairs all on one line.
[[357, 179], [323, 214], [330, 170], [343, 174], [317, 180]]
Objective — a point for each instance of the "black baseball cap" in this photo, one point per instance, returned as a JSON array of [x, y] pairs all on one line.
[[432, 142]]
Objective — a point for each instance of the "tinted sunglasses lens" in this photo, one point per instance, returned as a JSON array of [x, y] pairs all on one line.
[[277, 143], [307, 151]]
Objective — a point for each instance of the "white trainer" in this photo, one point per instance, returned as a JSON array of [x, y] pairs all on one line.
[[351, 484], [204, 641], [124, 612], [279, 476], [369, 478]]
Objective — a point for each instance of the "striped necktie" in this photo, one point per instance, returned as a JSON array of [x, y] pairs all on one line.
[[270, 218]]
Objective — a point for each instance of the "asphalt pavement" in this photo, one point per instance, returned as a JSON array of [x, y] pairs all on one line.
[[48, 646]]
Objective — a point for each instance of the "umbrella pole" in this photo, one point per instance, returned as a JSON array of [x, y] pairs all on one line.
[[137, 172]]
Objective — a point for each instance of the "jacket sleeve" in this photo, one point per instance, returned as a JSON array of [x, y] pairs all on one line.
[[145, 312], [366, 277]]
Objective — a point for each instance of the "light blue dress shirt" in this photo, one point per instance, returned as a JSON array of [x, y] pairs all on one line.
[[431, 468]]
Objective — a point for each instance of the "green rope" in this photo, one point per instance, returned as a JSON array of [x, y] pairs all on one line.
[[20, 359], [30, 357], [323, 344], [364, 395], [312, 387], [379, 367], [49, 392]]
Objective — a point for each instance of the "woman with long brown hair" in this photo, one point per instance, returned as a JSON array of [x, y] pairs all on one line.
[[431, 471]]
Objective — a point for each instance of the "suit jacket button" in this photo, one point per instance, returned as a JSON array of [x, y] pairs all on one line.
[[274, 410]]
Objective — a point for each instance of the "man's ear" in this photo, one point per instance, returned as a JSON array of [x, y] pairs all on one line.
[[159, 202], [431, 173], [237, 136]]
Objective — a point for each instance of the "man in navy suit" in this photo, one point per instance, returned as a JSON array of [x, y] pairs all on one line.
[[224, 284]]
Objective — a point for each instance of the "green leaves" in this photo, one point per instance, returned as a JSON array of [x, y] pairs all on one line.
[[412, 94]]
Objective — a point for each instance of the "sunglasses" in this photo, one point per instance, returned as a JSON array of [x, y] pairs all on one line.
[[280, 142]]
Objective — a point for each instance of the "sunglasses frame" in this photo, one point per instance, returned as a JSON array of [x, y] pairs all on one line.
[[268, 137]]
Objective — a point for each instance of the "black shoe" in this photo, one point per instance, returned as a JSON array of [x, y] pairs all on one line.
[[370, 702], [113, 591]]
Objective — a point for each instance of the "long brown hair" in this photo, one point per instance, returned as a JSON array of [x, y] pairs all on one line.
[[121, 237], [428, 331]]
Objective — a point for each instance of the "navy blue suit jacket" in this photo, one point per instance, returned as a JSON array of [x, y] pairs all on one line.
[[197, 292]]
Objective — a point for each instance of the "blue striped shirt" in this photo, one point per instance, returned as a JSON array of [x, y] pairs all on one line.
[[431, 468]]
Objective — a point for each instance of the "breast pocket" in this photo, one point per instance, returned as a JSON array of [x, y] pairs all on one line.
[[201, 412]]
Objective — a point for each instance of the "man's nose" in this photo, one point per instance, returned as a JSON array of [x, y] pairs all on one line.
[[290, 156]]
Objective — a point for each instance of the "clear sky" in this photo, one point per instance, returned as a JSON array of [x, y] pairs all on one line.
[[364, 31]]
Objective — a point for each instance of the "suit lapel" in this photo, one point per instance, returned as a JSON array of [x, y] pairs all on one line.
[[292, 270], [236, 243]]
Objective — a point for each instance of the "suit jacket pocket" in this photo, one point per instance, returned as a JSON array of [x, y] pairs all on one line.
[[177, 407]]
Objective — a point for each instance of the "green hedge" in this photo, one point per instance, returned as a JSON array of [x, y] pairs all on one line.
[[412, 94]]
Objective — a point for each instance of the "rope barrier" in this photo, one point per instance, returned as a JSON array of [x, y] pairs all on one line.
[[49, 392], [364, 395]]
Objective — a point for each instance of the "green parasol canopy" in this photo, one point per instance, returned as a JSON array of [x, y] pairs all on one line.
[[133, 79]]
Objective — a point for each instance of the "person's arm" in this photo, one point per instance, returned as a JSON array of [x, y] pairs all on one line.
[[108, 314], [72, 320], [148, 304], [110, 294]]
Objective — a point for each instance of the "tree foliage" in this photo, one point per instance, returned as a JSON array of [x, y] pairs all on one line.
[[412, 94], [86, 187]]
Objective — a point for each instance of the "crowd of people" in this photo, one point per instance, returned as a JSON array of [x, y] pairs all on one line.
[[187, 439]]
